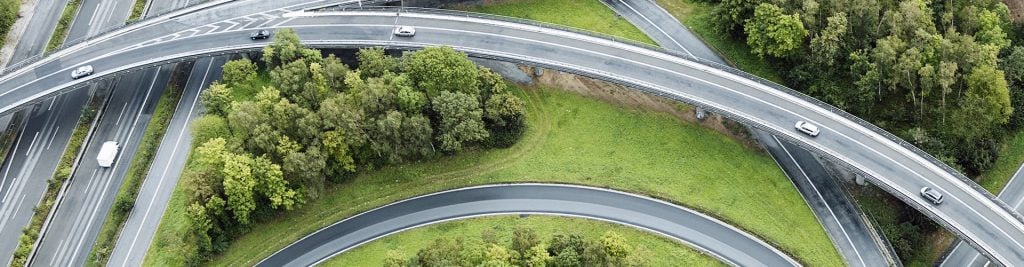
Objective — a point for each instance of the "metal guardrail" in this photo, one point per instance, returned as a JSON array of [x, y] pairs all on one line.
[[18, 65], [731, 70]]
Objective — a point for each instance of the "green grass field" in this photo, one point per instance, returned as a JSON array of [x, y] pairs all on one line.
[[1011, 155], [658, 251], [570, 139], [588, 15]]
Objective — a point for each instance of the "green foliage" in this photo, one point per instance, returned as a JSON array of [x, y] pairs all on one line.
[[460, 120], [526, 250], [63, 25], [442, 69], [217, 99], [772, 33], [8, 15], [316, 121]]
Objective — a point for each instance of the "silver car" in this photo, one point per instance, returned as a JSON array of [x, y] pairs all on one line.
[[807, 128], [405, 31], [931, 195], [81, 72]]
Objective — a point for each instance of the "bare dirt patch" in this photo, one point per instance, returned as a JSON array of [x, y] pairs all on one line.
[[638, 100], [1016, 9]]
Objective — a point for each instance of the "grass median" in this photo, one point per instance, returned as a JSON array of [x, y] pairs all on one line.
[[138, 170], [571, 139], [584, 14], [655, 249], [63, 25]]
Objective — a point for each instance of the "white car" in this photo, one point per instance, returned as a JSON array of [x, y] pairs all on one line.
[[405, 31], [108, 152], [81, 72], [807, 128]]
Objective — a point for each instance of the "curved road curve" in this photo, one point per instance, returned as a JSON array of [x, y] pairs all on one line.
[[977, 217], [712, 236]]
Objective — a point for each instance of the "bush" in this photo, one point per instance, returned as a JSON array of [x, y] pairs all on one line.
[[8, 15]]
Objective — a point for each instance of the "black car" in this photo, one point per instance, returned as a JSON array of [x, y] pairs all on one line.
[[259, 35]]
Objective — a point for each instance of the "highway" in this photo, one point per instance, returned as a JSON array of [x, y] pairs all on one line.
[[139, 229], [704, 233], [978, 217], [32, 162], [95, 16], [79, 215], [853, 237], [44, 20], [962, 254]]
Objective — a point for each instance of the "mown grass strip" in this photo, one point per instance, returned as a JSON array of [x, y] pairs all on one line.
[[63, 25], [64, 170], [588, 15], [137, 171], [137, 9]]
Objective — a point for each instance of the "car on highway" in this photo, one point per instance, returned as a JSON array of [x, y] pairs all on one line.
[[931, 195], [81, 71], [808, 128], [259, 35], [405, 31], [108, 152]]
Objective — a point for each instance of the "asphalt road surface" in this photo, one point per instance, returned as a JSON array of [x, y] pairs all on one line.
[[90, 194], [96, 16], [705, 233], [963, 254], [850, 233], [32, 162], [138, 231], [976, 216], [44, 20]]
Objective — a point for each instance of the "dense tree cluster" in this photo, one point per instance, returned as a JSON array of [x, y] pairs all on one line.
[[940, 73], [525, 249], [319, 121]]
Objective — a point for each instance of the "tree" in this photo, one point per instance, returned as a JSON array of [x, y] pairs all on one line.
[[271, 184], [616, 248], [239, 72], [537, 256], [337, 152], [827, 46], [208, 127], [335, 72], [438, 69], [1013, 66], [567, 258], [290, 78], [990, 30], [498, 256], [286, 48], [504, 116], [771, 32], [217, 99], [523, 240], [460, 120], [986, 104], [238, 186], [374, 62], [308, 168], [394, 259]]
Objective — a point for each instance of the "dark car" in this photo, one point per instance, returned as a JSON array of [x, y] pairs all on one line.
[[931, 195], [259, 35]]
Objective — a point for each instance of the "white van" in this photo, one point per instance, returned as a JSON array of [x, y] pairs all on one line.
[[108, 152]]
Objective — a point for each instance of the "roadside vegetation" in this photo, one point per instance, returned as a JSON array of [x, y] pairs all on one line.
[[137, 8], [63, 25], [320, 123], [524, 241], [944, 76], [64, 171], [586, 14], [8, 15], [139, 169]]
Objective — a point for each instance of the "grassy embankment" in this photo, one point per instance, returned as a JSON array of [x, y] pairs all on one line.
[[64, 171], [589, 15], [63, 25], [138, 170], [657, 250], [571, 139]]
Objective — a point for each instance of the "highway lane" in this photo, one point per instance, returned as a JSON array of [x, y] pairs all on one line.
[[962, 254], [844, 223], [44, 20], [96, 16], [971, 214], [32, 162], [75, 225], [714, 237], [834, 209], [139, 229]]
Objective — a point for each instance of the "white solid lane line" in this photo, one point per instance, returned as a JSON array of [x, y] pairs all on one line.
[[52, 137], [32, 144], [655, 25], [822, 198], [167, 166], [118, 121]]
